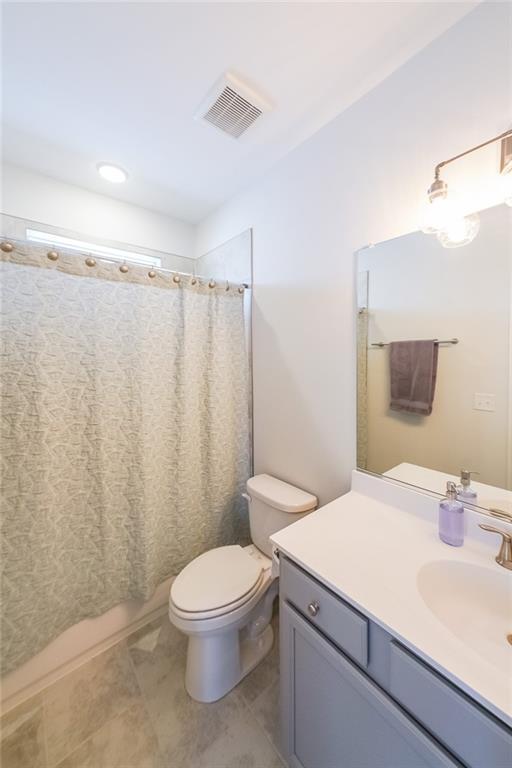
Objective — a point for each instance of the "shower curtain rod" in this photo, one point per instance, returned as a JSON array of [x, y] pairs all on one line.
[[6, 246]]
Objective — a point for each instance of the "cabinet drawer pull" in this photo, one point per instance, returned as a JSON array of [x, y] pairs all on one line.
[[313, 608]]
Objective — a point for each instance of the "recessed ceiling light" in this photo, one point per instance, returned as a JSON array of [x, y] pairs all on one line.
[[112, 173]]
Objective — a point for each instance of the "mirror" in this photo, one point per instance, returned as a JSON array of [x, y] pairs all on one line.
[[422, 423]]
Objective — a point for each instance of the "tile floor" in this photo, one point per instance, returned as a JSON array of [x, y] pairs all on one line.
[[128, 708]]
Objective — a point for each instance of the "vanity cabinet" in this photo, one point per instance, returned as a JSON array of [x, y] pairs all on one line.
[[353, 697], [336, 717]]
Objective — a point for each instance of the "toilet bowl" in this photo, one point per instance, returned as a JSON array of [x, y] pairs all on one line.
[[229, 630], [223, 599]]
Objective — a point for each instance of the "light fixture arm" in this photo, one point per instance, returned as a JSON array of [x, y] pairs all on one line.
[[468, 151]]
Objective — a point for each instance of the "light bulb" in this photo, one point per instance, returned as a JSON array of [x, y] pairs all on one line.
[[438, 214], [459, 231], [112, 173]]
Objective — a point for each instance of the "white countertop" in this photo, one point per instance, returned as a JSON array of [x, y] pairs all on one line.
[[370, 551]]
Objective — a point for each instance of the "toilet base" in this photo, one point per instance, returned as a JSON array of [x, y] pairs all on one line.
[[253, 650], [218, 662]]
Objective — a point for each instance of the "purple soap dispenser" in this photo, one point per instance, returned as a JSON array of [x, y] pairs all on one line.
[[451, 518]]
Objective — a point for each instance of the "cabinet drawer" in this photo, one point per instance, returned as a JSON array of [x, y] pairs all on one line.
[[338, 621], [468, 731]]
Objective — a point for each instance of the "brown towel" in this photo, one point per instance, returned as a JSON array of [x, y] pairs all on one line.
[[413, 372]]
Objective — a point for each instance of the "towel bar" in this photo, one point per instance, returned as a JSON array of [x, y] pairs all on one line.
[[381, 344]]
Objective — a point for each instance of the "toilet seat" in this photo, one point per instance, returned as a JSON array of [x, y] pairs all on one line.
[[196, 616], [216, 582]]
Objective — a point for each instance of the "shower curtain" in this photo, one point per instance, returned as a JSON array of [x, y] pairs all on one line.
[[124, 436]]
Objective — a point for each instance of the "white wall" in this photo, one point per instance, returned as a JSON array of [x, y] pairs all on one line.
[[359, 180], [42, 199], [420, 290], [230, 261]]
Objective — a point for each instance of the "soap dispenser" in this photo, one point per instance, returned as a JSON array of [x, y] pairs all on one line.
[[451, 518], [465, 491]]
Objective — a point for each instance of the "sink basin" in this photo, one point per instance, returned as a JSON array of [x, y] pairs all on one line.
[[474, 603]]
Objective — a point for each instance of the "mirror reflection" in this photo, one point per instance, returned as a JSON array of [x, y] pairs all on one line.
[[435, 363]]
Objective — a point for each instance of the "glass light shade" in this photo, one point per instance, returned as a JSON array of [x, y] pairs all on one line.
[[460, 231], [112, 173], [438, 214]]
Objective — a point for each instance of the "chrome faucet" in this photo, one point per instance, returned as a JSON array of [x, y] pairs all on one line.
[[504, 556]]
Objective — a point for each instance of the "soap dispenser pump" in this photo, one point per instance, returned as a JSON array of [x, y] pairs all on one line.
[[465, 491], [451, 517]]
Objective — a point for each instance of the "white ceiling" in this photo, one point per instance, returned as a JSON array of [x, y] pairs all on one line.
[[121, 82]]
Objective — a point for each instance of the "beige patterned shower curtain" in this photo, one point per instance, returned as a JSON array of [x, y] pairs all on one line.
[[124, 436]]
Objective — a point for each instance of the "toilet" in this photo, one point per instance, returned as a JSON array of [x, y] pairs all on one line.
[[223, 599]]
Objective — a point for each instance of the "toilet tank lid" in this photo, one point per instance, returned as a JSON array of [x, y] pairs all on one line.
[[280, 495]]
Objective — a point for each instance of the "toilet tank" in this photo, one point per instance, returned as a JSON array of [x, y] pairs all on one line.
[[274, 504]]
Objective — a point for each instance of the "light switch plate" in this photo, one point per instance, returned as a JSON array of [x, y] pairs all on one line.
[[484, 402]]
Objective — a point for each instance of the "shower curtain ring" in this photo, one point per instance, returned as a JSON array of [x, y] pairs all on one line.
[[123, 268], [7, 247], [176, 279], [151, 273], [212, 284], [52, 255], [90, 261], [227, 285]]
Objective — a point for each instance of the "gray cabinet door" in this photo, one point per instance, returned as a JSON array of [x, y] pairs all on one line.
[[334, 716]]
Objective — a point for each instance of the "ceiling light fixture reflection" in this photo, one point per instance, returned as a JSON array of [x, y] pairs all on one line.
[[112, 173]]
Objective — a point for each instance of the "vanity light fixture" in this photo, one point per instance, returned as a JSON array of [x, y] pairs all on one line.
[[112, 173], [443, 218]]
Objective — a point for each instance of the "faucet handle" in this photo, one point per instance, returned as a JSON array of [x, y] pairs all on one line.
[[504, 556], [492, 529]]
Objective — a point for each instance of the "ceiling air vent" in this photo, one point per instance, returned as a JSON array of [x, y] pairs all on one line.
[[232, 106]]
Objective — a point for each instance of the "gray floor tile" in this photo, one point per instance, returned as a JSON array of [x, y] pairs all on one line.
[[83, 701], [184, 727], [128, 708], [266, 711], [155, 650], [22, 736], [126, 741], [242, 745], [195, 734]]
